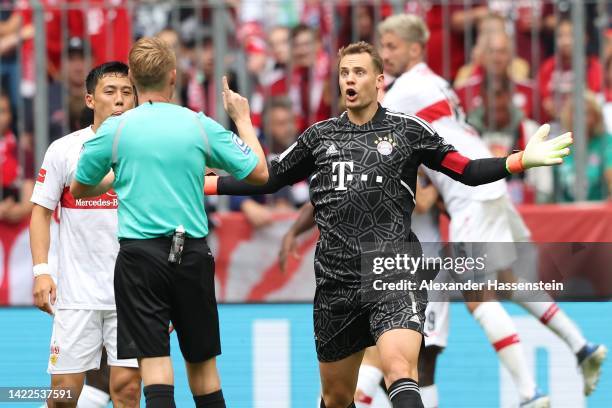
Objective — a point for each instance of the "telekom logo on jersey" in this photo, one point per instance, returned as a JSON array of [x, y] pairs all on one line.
[[342, 177]]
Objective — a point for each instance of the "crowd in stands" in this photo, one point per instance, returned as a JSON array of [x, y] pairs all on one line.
[[510, 64]]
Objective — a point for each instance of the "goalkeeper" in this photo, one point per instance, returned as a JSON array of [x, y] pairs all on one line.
[[363, 167]]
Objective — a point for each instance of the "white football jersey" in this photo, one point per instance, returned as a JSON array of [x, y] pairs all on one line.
[[88, 244], [421, 92]]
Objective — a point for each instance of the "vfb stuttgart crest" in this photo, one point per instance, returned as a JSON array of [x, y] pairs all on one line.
[[385, 145], [55, 350]]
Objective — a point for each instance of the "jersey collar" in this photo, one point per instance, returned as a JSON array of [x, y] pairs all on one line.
[[378, 118]]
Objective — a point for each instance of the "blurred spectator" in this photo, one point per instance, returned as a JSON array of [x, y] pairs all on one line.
[[73, 25], [496, 64], [524, 18], [108, 27], [201, 91], [505, 128], [309, 84], [279, 45], [490, 25], [269, 14], [448, 24], [598, 155], [151, 17], [364, 28], [183, 62], [68, 94], [280, 133], [556, 78], [11, 33], [273, 80], [16, 190]]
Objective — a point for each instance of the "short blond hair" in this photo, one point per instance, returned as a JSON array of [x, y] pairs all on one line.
[[409, 27], [150, 61]]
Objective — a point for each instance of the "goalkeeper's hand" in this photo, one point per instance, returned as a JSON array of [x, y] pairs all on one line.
[[541, 152]]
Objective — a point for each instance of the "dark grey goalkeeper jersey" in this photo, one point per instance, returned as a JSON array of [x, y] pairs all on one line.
[[363, 183]]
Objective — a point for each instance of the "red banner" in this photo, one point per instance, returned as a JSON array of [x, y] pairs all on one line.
[[247, 258]]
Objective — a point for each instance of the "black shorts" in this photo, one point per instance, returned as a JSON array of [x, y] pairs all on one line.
[[150, 292], [344, 324]]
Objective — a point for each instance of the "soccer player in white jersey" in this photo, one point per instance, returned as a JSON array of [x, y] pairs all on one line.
[[478, 214], [82, 303]]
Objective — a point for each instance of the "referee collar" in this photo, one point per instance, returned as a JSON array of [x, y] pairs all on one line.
[[378, 118]]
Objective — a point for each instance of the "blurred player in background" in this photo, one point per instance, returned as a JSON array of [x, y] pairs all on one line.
[[362, 190], [82, 303]]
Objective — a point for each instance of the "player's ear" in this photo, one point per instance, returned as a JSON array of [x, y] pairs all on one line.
[[89, 101], [173, 77]]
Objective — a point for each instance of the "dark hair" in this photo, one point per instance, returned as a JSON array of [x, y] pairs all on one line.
[[362, 47], [302, 28], [278, 102], [112, 67]]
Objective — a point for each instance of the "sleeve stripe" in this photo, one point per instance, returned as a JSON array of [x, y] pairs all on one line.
[[455, 162], [287, 151], [414, 118], [409, 190], [435, 111]]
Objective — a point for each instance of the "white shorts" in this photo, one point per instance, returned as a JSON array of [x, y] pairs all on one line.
[[494, 221], [77, 340], [436, 324]]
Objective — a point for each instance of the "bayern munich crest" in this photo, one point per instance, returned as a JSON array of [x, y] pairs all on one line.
[[385, 145]]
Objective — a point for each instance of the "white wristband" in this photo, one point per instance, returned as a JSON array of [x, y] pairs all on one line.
[[41, 269]]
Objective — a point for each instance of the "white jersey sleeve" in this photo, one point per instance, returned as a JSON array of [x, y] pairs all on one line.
[[51, 178]]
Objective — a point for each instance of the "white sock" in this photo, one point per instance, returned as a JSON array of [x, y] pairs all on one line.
[[93, 398], [381, 400], [429, 395], [556, 320], [502, 333], [367, 384]]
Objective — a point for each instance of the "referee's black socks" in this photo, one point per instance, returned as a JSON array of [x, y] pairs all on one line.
[[404, 393], [159, 396], [212, 400]]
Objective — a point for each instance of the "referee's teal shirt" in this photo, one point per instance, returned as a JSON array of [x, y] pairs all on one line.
[[159, 152]]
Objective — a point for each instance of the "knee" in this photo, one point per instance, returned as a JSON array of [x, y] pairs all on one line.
[[337, 397], [400, 368], [126, 393]]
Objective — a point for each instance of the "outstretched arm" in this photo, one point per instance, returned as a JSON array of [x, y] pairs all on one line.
[[539, 152], [227, 185]]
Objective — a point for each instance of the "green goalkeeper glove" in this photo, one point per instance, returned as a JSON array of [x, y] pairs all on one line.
[[540, 152]]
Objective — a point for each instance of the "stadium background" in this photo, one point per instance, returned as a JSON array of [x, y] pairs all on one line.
[[47, 47]]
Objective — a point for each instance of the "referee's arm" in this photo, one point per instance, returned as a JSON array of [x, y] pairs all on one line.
[[237, 108], [93, 175]]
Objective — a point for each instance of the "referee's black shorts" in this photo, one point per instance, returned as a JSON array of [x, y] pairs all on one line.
[[150, 292]]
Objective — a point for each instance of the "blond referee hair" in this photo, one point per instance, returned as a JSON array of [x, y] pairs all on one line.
[[409, 27], [151, 61]]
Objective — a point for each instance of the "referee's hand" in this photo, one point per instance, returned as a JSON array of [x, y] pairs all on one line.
[[45, 293], [236, 106]]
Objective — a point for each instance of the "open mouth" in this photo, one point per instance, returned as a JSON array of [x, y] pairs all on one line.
[[351, 94]]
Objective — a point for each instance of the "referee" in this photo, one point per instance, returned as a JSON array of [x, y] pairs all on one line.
[[165, 271]]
